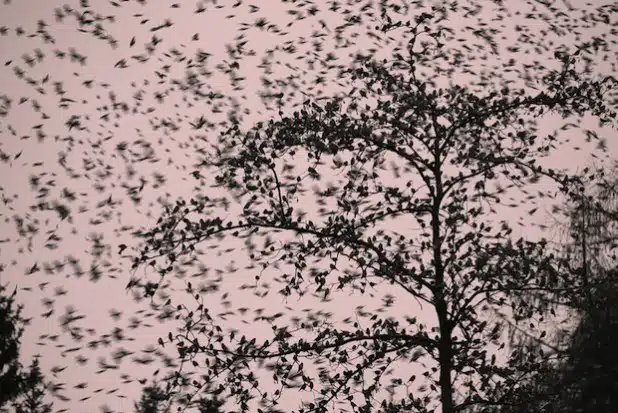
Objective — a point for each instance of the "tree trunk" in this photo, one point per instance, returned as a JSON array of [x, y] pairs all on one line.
[[446, 360]]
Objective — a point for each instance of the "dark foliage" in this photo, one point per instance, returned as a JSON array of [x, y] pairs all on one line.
[[584, 376], [33, 392], [154, 399], [21, 390], [11, 330]]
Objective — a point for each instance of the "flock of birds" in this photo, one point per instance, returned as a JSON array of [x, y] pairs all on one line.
[[128, 127]]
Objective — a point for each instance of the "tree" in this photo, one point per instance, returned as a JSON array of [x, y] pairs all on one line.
[[209, 405], [592, 367], [454, 143], [584, 378], [33, 392], [154, 399], [590, 373], [10, 338], [23, 390]]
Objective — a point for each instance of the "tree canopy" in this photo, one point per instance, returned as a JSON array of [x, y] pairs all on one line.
[[458, 145]]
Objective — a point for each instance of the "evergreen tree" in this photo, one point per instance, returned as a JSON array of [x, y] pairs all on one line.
[[33, 392], [23, 390], [153, 400], [11, 331]]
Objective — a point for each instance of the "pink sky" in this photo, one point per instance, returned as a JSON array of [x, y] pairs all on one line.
[[96, 299]]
